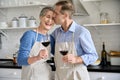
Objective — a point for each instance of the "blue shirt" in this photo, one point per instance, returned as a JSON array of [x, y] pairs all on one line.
[[83, 42], [26, 43]]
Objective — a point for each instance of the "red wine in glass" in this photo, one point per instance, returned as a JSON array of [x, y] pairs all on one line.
[[64, 52], [46, 43]]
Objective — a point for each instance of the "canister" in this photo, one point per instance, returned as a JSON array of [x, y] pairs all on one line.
[[32, 22], [14, 22], [23, 21]]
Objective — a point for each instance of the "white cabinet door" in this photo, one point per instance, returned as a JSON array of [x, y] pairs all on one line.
[[111, 76], [9, 79], [95, 75], [10, 74], [104, 76]]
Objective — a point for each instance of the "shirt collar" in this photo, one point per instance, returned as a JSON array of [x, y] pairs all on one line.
[[72, 27]]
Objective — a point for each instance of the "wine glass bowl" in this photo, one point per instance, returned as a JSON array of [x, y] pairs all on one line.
[[64, 52], [46, 41], [45, 44]]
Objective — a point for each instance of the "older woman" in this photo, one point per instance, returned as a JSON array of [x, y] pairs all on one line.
[[32, 53]]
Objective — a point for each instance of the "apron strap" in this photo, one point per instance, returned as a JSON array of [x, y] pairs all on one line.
[[72, 39], [36, 35]]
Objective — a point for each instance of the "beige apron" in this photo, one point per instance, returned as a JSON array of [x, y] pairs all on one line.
[[75, 71], [39, 70]]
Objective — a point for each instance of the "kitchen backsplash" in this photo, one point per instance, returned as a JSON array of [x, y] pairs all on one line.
[[108, 34]]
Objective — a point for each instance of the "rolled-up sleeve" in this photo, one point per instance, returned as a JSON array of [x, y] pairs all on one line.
[[89, 52], [24, 50]]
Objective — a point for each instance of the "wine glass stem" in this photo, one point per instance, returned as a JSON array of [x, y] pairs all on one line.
[[64, 64]]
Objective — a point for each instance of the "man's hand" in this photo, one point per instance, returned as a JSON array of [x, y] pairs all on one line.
[[71, 58]]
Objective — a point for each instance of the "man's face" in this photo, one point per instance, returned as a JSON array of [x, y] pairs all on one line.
[[59, 17]]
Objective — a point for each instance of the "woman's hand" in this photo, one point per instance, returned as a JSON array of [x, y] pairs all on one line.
[[43, 54]]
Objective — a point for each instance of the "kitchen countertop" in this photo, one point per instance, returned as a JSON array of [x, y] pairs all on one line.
[[8, 63], [109, 68]]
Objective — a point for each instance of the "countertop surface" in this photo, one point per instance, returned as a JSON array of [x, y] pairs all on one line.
[[109, 68], [8, 63]]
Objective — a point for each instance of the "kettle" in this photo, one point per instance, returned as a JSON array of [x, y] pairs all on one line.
[[32, 22], [23, 21]]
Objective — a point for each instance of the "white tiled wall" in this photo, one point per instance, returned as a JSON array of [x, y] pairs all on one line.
[[109, 34], [10, 44]]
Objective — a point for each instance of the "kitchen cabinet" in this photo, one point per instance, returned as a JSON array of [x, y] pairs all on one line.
[[104, 76], [8, 79], [10, 74]]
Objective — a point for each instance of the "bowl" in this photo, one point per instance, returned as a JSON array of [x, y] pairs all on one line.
[[96, 63]]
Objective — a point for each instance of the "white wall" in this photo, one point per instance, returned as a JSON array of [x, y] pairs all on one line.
[[108, 34]]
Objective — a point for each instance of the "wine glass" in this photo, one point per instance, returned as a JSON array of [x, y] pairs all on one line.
[[63, 51], [45, 42]]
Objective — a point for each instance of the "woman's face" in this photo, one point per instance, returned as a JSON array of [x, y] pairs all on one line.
[[47, 21]]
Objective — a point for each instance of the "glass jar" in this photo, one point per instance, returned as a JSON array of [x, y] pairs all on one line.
[[14, 59], [103, 18]]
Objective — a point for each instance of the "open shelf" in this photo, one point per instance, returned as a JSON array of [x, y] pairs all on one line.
[[110, 24], [9, 28], [26, 5]]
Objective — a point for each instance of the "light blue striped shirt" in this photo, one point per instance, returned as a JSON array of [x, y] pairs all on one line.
[[83, 42]]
